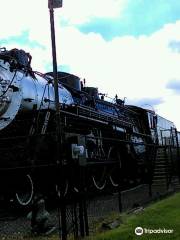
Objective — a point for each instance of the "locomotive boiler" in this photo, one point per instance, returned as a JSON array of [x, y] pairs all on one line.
[[115, 143]]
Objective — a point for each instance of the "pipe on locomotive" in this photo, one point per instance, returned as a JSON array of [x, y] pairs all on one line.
[[23, 90]]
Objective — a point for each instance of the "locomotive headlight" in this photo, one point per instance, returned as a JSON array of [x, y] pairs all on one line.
[[3, 86], [4, 99], [10, 95]]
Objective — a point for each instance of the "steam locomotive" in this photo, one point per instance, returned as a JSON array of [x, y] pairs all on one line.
[[43, 149]]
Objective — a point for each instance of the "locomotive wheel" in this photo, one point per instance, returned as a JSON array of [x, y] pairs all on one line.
[[112, 182], [116, 171], [99, 178], [25, 191]]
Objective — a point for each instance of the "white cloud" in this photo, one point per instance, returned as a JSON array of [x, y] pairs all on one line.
[[129, 66], [25, 14], [130, 63], [21, 15], [83, 10]]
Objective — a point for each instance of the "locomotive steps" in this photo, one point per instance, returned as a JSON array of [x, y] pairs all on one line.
[[163, 169]]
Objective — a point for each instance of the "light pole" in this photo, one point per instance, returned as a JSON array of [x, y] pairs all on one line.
[[51, 5]]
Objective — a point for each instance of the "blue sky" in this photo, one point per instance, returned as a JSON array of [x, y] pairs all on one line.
[[21, 39], [139, 17], [126, 47]]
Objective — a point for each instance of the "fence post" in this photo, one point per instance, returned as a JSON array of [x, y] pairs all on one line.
[[75, 222], [120, 198], [61, 204], [86, 217], [63, 220], [81, 220], [150, 189], [83, 217]]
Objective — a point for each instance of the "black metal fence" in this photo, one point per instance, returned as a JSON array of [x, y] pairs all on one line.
[[82, 211], [85, 215]]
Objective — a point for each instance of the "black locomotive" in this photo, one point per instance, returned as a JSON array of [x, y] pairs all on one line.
[[44, 150]]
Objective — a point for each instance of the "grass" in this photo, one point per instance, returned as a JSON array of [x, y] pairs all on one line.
[[164, 214], [160, 215]]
